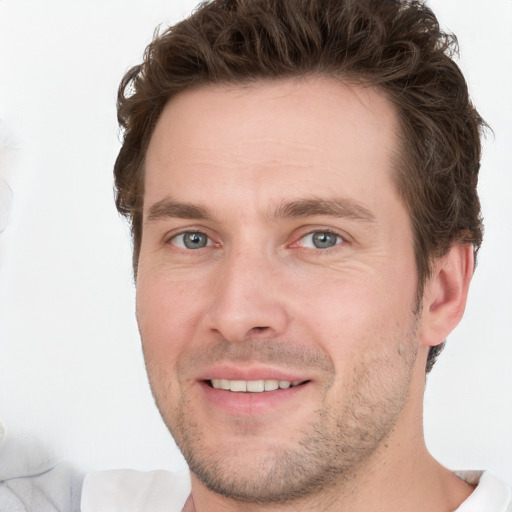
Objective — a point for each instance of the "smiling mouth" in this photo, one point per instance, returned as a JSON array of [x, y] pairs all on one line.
[[253, 386]]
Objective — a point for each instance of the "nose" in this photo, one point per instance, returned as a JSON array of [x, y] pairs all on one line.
[[248, 298]]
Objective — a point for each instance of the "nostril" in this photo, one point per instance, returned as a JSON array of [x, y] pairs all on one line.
[[259, 329]]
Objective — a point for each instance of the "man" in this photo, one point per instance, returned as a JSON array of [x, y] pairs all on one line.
[[300, 177], [301, 182]]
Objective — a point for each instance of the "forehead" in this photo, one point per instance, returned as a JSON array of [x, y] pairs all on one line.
[[305, 132]]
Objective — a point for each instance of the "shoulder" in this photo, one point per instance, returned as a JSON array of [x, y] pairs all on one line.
[[491, 494], [126, 490], [55, 490], [30, 481]]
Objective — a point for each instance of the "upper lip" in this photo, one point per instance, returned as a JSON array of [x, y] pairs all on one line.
[[250, 374]]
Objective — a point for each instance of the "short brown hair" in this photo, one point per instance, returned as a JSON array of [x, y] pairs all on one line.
[[395, 45]]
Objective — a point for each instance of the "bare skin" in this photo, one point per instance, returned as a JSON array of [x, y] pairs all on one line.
[[276, 249]]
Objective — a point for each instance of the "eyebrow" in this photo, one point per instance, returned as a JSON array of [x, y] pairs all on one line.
[[168, 208], [337, 207], [344, 208]]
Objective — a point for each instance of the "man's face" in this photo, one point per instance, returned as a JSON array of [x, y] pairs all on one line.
[[276, 283]]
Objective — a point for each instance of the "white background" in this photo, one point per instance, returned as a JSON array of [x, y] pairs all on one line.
[[71, 370]]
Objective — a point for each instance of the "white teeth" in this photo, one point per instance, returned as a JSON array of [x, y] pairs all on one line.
[[253, 386], [238, 385], [271, 385], [256, 386], [223, 383]]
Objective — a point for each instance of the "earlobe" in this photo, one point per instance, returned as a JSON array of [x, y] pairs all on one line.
[[445, 294]]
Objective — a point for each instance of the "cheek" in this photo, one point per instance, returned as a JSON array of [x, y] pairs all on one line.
[[168, 314], [359, 310]]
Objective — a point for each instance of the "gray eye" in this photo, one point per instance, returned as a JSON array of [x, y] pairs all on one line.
[[191, 240], [324, 239]]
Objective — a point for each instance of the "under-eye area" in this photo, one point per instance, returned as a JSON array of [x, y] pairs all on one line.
[[253, 386]]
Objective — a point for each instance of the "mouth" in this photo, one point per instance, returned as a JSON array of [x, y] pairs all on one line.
[[261, 393], [253, 386]]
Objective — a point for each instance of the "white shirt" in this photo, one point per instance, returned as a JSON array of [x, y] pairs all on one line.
[[490, 495], [162, 491]]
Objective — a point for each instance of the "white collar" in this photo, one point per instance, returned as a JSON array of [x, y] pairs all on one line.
[[126, 490], [490, 495]]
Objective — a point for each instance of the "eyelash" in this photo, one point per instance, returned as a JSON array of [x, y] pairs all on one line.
[[209, 242], [340, 240]]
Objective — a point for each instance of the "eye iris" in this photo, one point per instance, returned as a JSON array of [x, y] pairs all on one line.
[[194, 240], [323, 239]]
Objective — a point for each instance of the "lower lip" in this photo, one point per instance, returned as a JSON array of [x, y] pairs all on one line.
[[248, 404]]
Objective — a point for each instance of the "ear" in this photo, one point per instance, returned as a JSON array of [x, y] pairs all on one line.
[[445, 294]]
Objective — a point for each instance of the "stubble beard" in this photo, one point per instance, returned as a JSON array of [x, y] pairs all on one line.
[[331, 449]]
